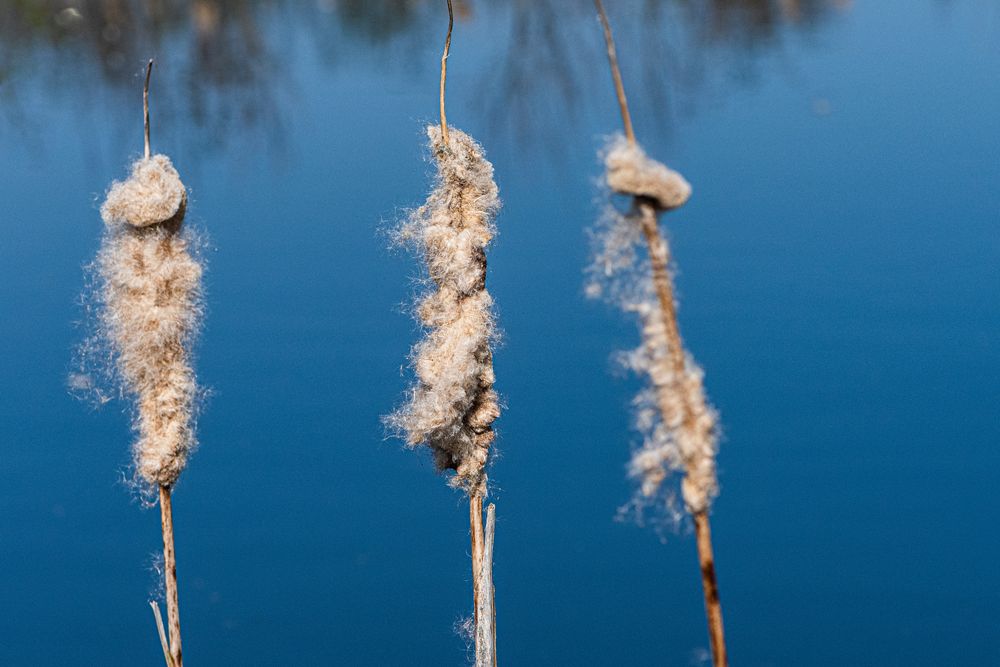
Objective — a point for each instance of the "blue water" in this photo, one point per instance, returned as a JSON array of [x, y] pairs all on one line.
[[839, 282]]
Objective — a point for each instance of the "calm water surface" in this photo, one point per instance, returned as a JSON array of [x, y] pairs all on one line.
[[838, 280]]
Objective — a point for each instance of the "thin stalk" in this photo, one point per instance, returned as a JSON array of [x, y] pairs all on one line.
[[490, 523], [659, 257], [713, 608], [616, 74], [170, 576], [485, 637], [145, 106], [444, 72], [476, 535], [169, 659]]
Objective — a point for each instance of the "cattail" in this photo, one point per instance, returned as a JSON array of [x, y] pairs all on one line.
[[684, 439], [679, 427], [150, 291], [452, 405], [152, 308]]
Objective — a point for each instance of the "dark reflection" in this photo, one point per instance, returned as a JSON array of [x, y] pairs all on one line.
[[540, 59], [377, 20], [750, 21], [233, 72], [670, 48], [214, 55], [234, 78]]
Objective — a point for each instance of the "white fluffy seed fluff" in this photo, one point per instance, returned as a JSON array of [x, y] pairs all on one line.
[[679, 428], [452, 406], [151, 298]]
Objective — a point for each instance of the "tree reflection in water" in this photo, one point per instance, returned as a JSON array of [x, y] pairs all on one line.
[[233, 77]]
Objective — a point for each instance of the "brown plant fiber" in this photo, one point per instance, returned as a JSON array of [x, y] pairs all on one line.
[[452, 406], [151, 293]]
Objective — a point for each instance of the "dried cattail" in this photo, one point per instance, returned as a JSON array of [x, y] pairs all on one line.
[[680, 435], [152, 309], [150, 296], [452, 407], [683, 438], [679, 427]]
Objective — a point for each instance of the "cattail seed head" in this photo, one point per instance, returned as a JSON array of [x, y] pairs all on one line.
[[152, 194], [151, 297], [679, 428], [630, 171], [452, 406]]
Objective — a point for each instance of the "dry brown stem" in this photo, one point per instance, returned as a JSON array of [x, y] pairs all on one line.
[[659, 257], [145, 106], [444, 73], [170, 576], [169, 659], [713, 607], [477, 538], [485, 632], [616, 74]]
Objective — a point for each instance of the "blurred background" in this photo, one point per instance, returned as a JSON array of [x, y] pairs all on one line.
[[838, 276]]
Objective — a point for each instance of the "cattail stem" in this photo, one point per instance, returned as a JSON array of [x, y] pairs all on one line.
[[659, 259], [616, 74], [490, 530], [145, 106], [486, 611], [163, 635], [477, 537], [444, 73], [170, 576], [713, 608]]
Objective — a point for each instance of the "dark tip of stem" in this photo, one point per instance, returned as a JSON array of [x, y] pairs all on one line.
[[145, 106]]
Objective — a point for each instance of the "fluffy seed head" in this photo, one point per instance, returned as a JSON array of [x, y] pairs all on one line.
[[678, 427], [151, 298], [630, 171], [452, 406], [152, 194]]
